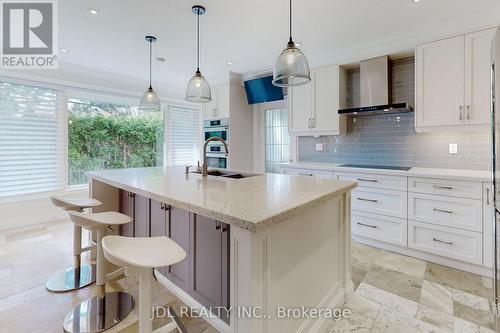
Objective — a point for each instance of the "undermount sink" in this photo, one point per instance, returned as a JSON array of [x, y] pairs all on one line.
[[228, 174]]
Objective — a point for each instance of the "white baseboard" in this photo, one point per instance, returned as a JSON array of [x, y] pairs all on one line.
[[217, 323], [471, 268], [334, 299]]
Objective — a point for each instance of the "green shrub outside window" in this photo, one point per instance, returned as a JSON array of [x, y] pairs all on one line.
[[111, 136]]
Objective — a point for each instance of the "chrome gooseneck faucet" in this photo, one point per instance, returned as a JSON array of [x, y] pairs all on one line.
[[204, 167]]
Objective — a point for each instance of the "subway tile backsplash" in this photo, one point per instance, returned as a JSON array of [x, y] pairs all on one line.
[[392, 140]]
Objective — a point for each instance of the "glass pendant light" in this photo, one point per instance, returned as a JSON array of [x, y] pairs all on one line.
[[150, 100], [291, 68], [198, 89]]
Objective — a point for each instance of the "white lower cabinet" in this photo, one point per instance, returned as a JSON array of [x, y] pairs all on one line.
[[383, 202], [448, 221], [461, 213], [383, 228], [447, 242], [488, 222], [310, 173], [387, 182], [445, 187]]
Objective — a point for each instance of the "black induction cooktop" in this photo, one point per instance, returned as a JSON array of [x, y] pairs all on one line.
[[367, 166]]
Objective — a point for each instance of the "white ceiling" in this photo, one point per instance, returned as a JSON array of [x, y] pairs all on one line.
[[251, 33]]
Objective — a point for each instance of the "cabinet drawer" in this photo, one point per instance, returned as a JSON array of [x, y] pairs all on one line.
[[447, 242], [374, 181], [383, 202], [382, 228], [447, 211], [452, 188], [308, 172]]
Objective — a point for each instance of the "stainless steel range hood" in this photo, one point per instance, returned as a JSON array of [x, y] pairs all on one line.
[[375, 90]]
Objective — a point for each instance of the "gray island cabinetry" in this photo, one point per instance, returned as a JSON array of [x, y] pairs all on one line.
[[204, 274], [256, 242]]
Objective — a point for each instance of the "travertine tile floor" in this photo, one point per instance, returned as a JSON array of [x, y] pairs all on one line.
[[394, 293], [29, 256]]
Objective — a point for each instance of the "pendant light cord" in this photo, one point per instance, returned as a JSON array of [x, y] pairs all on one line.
[[198, 45], [290, 19], [150, 61]]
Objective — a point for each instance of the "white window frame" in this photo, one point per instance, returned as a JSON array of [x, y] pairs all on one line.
[[165, 108], [259, 133], [96, 93]]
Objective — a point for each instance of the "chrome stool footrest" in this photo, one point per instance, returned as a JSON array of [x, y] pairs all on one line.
[[72, 278], [99, 314]]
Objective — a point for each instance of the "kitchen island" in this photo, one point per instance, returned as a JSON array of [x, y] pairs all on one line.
[[256, 245]]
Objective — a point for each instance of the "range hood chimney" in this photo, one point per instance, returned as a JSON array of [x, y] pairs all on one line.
[[375, 90]]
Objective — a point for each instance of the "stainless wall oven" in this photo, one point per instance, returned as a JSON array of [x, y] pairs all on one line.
[[216, 127], [217, 156]]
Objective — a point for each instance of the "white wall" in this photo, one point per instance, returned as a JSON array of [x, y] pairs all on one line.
[[19, 211], [30, 209]]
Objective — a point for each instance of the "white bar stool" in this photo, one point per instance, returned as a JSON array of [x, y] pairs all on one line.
[[79, 275], [105, 310], [141, 255]]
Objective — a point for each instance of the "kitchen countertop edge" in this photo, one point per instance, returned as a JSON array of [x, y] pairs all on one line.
[[252, 226], [453, 174]]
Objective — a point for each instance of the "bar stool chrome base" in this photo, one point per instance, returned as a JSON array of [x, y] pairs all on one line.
[[70, 279], [99, 314]]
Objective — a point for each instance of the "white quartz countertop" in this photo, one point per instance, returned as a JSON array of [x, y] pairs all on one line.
[[252, 203], [461, 174]]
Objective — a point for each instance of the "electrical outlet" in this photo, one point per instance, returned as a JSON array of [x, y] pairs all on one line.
[[453, 148], [319, 147]]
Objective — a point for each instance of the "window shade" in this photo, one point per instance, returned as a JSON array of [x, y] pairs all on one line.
[[277, 139], [29, 140], [183, 135]]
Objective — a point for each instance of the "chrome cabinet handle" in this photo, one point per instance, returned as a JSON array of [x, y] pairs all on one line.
[[441, 241], [314, 122], [460, 109], [305, 174], [218, 226], [370, 200], [367, 225], [468, 112], [487, 195], [309, 123], [367, 180], [442, 187], [443, 210]]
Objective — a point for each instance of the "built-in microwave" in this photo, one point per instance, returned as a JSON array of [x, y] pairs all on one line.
[[217, 156], [216, 127], [217, 160]]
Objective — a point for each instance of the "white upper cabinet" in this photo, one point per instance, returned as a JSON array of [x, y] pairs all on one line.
[[478, 76], [453, 82], [300, 109], [326, 99], [219, 106], [440, 83], [314, 107]]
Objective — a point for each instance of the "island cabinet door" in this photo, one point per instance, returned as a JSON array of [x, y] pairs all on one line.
[[127, 208], [141, 216], [225, 243], [179, 230], [210, 262], [158, 221]]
